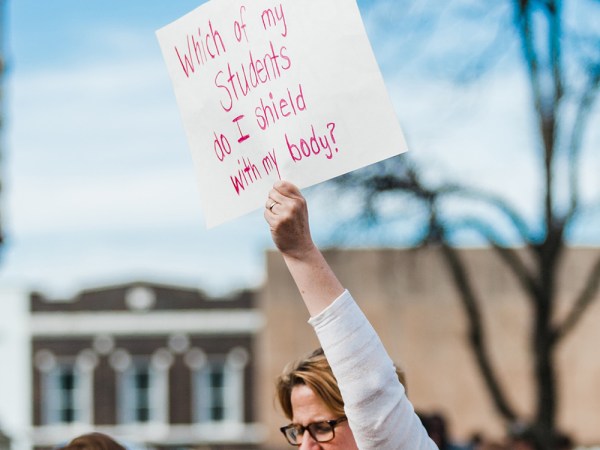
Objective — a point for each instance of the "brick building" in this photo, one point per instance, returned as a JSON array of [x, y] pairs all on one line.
[[160, 365]]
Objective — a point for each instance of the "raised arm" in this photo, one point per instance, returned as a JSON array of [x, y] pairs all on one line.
[[287, 215], [378, 411]]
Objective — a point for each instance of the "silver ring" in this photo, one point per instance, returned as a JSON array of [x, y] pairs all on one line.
[[271, 207]]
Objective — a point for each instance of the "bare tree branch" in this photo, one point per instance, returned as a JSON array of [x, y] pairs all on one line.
[[555, 37], [411, 183], [590, 93], [582, 303], [545, 105], [502, 206], [477, 338], [562, 117], [508, 255]]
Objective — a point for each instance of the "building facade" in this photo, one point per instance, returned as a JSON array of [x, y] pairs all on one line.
[[153, 365], [170, 368]]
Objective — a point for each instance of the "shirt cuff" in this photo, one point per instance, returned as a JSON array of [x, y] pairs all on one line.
[[344, 301]]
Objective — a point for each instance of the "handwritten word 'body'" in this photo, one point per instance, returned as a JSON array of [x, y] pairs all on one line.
[[274, 110], [313, 145]]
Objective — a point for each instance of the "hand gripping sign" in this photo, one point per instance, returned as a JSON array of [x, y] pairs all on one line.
[[282, 89]]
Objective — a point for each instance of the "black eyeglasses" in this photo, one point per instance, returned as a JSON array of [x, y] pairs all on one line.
[[320, 431]]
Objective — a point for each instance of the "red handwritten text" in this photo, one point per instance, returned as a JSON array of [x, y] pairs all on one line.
[[239, 83], [221, 146], [275, 110], [243, 136], [313, 145], [270, 162], [200, 49], [246, 175], [239, 27], [272, 17]]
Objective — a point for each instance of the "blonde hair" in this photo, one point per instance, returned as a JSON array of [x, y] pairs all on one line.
[[315, 372]]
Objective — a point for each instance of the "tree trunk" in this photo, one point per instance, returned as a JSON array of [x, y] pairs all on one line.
[[544, 426]]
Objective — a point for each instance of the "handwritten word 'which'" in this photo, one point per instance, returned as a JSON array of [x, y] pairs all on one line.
[[200, 49]]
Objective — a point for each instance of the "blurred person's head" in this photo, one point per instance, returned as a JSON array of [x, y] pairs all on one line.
[[93, 441], [521, 437], [435, 424], [563, 442], [492, 446]]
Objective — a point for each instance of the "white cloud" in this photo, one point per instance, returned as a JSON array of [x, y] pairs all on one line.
[[476, 133], [146, 200], [97, 147]]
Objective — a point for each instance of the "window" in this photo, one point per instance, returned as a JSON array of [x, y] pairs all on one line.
[[216, 392], [63, 394], [141, 394], [219, 389]]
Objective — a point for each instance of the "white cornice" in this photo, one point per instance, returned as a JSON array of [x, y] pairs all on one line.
[[217, 433], [134, 324]]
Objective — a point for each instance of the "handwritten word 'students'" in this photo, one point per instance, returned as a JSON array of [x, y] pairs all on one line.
[[202, 48], [236, 83]]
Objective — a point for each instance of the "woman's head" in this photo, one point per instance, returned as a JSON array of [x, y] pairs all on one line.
[[313, 371], [308, 393]]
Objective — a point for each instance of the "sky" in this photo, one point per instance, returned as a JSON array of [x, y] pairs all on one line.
[[99, 186], [98, 182]]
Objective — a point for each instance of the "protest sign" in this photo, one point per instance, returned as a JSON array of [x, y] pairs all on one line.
[[281, 89]]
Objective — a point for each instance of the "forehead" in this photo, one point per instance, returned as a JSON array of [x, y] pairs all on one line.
[[308, 407]]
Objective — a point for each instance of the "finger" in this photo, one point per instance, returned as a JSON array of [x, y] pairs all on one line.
[[270, 218], [287, 188], [278, 197], [274, 200], [272, 207], [270, 203]]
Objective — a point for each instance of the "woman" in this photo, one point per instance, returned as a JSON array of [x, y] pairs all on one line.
[[376, 412]]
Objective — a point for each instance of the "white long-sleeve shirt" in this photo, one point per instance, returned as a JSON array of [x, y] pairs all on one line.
[[379, 414]]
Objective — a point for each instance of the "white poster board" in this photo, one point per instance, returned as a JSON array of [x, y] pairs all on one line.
[[268, 90]]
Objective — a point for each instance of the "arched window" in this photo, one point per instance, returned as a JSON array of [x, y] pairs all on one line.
[[142, 387], [66, 387], [218, 383]]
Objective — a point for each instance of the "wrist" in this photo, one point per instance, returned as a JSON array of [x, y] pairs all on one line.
[[304, 253]]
